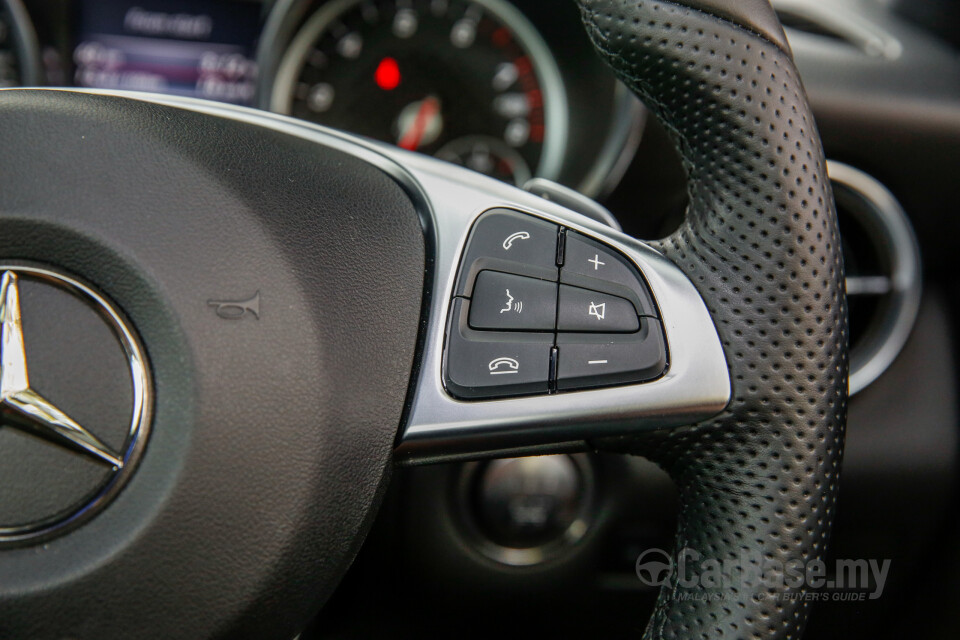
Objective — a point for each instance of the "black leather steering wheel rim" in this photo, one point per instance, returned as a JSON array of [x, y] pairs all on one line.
[[760, 243]]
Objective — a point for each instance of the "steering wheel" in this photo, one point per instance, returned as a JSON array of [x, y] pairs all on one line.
[[275, 298]]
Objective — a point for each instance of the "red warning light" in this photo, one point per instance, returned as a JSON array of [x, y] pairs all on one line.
[[387, 75]]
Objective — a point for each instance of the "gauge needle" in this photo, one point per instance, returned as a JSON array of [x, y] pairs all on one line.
[[411, 136]]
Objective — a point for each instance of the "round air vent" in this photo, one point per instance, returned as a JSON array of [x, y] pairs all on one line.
[[883, 272]]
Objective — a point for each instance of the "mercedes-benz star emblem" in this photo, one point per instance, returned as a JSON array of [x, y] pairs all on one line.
[[27, 409], [22, 407]]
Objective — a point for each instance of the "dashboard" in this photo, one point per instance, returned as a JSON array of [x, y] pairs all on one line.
[[513, 89], [473, 82]]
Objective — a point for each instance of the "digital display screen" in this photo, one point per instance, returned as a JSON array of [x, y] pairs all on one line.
[[197, 48]]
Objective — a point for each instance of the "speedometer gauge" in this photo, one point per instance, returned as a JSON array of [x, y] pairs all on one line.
[[470, 81]]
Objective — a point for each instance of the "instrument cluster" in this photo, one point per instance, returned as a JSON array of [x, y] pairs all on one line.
[[510, 89]]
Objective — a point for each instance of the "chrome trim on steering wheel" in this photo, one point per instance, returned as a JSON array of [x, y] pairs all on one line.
[[696, 385]]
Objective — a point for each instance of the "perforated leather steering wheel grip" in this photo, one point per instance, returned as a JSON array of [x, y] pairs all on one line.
[[760, 243]]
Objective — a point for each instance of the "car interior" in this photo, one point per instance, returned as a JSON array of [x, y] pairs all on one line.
[[716, 241]]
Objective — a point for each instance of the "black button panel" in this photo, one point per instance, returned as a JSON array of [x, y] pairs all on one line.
[[503, 301], [596, 360], [592, 265], [510, 242], [586, 310], [541, 309], [485, 364]]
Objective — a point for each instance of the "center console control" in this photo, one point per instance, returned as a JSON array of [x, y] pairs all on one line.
[[541, 309]]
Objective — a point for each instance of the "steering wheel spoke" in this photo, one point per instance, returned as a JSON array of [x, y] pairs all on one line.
[[449, 421]]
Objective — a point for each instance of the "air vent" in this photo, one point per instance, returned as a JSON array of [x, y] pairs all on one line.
[[883, 272], [827, 21]]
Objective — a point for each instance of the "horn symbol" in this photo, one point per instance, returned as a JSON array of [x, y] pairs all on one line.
[[237, 309]]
